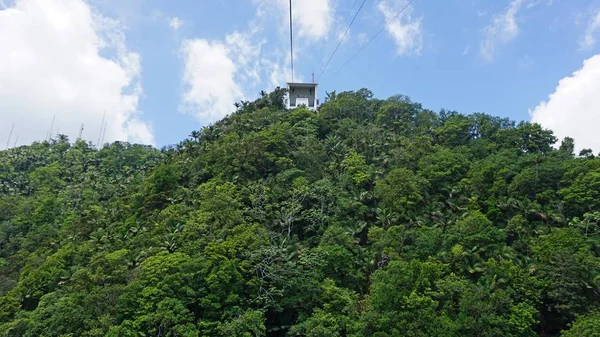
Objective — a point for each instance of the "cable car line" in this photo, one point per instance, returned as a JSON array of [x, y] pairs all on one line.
[[373, 37], [341, 40]]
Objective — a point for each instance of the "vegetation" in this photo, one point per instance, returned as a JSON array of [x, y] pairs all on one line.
[[368, 218]]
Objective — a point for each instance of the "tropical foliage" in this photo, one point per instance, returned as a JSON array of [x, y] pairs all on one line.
[[369, 217]]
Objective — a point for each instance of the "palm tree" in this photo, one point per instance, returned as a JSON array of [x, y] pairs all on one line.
[[195, 135]]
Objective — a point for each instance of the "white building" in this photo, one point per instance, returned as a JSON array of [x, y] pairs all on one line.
[[301, 94]]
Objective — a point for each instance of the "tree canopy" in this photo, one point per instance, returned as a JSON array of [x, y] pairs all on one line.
[[369, 217]]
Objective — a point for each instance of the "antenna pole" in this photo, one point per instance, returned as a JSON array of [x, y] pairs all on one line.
[[101, 127], [104, 132], [49, 135], [80, 131], [10, 135], [16, 140], [291, 42]]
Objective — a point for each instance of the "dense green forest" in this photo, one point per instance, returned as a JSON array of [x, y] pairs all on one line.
[[369, 217]]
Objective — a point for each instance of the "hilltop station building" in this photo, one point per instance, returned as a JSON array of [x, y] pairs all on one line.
[[301, 94]]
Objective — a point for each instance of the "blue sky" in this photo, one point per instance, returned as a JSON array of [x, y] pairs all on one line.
[[156, 70]]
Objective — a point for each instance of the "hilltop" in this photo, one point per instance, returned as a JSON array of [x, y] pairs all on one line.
[[370, 217]]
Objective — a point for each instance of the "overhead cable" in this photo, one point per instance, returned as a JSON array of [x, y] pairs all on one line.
[[373, 37], [341, 40]]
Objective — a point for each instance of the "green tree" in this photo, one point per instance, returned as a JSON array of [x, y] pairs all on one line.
[[401, 191], [587, 325]]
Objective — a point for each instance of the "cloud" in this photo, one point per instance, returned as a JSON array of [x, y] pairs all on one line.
[[589, 39], [246, 53], [62, 59], [362, 38], [218, 73], [466, 50], [313, 19], [405, 30], [209, 78], [501, 30], [175, 23], [345, 35], [572, 110]]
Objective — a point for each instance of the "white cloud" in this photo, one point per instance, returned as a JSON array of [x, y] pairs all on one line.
[[466, 50], [312, 19], [209, 76], [342, 34], [278, 70], [501, 30], [362, 38], [218, 73], [589, 39], [62, 59], [175, 23], [245, 53], [572, 110], [405, 30]]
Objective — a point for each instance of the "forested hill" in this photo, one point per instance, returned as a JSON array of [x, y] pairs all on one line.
[[369, 217]]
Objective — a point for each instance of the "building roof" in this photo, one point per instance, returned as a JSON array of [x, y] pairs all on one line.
[[297, 84]]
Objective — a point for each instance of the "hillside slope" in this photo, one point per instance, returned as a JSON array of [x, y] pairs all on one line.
[[369, 218]]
